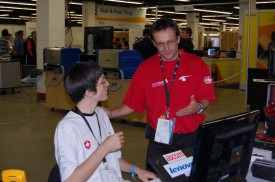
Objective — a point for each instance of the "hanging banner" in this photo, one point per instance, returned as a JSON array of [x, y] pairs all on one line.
[[120, 17]]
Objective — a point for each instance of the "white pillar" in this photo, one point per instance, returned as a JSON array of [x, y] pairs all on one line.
[[50, 30], [244, 5], [193, 22]]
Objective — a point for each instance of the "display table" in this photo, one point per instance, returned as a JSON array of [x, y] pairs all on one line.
[[9, 75]]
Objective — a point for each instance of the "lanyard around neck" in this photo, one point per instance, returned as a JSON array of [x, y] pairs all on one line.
[[168, 93], [76, 110]]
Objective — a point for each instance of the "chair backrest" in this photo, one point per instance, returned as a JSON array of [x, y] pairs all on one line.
[[54, 174]]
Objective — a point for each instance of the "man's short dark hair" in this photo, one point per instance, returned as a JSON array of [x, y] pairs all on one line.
[[81, 77], [188, 30], [163, 24], [5, 32]]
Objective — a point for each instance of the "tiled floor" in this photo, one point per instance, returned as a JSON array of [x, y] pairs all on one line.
[[27, 128]]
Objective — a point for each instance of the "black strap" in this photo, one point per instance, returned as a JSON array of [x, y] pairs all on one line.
[[76, 110], [168, 93]]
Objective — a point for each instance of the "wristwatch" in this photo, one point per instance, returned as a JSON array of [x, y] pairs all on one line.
[[201, 108]]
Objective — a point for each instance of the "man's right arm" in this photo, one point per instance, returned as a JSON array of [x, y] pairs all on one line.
[[120, 111]]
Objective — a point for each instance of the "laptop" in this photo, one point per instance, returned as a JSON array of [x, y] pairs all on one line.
[[158, 163]]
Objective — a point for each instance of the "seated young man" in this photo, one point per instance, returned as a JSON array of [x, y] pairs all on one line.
[[86, 146]]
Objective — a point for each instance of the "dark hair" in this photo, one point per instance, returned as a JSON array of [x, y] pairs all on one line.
[[81, 77], [146, 32], [188, 30], [163, 24], [273, 36], [5, 32]]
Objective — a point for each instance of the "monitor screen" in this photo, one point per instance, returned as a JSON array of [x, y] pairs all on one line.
[[98, 38], [211, 51], [271, 61], [223, 148]]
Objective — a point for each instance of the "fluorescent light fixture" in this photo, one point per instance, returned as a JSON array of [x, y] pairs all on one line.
[[4, 15], [265, 2], [233, 18], [9, 18], [210, 24], [206, 19], [169, 12], [213, 11], [214, 16], [75, 3], [10, 7], [183, 0], [153, 14], [17, 3], [121, 1], [6, 10], [231, 24], [236, 7], [27, 17]]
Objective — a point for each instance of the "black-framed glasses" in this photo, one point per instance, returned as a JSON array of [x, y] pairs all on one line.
[[168, 43]]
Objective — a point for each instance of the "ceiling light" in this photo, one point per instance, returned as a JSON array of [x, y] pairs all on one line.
[[6, 10], [206, 19], [211, 16], [169, 12], [210, 24], [231, 24], [183, 0], [17, 3], [213, 11], [10, 7], [121, 1], [236, 7], [9, 18], [75, 3], [233, 18], [4, 15]]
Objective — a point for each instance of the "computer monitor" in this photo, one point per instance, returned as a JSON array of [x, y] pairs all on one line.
[[98, 38], [223, 148], [271, 61], [211, 51]]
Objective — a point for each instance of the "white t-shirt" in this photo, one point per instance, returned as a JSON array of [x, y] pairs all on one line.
[[74, 143]]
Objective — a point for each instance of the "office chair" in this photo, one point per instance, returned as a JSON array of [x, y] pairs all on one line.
[[30, 82]]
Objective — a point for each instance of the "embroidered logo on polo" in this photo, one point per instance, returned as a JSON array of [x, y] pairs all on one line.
[[208, 80], [183, 78], [87, 144], [159, 84]]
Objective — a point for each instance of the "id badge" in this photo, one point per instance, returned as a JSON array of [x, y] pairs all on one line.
[[164, 132], [109, 175]]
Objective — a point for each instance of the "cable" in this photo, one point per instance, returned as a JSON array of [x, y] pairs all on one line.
[[53, 81], [229, 77], [113, 88]]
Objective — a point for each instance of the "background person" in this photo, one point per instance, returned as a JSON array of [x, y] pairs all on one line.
[[185, 40], [174, 87], [5, 48], [31, 48], [86, 146]]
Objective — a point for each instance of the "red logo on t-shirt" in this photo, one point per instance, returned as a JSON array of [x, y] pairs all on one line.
[[87, 144]]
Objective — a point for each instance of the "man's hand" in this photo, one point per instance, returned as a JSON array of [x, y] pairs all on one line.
[[144, 175], [114, 142], [192, 108]]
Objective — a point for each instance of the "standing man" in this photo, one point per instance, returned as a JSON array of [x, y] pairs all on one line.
[[185, 40], [31, 49], [19, 48], [5, 48], [175, 87]]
